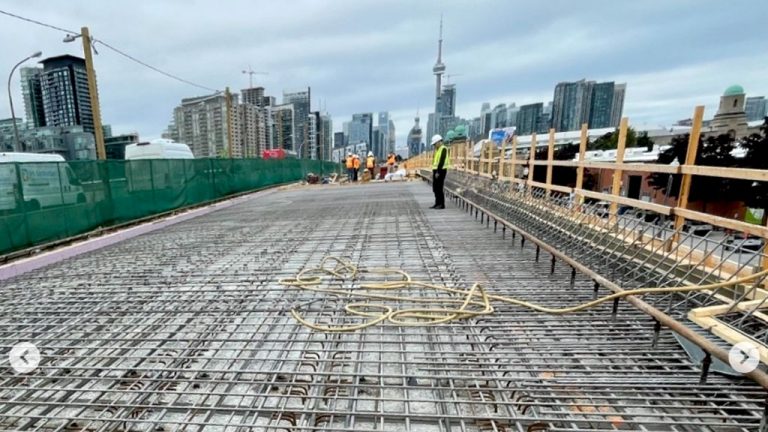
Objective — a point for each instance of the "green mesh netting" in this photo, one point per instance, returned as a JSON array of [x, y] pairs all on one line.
[[45, 201]]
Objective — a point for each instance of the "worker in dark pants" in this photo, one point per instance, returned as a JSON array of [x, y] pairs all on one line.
[[440, 164]]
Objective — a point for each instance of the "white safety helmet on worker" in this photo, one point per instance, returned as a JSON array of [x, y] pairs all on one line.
[[370, 154], [436, 138]]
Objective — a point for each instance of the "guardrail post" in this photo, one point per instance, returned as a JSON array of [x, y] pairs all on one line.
[[550, 156], [580, 167], [531, 159], [690, 159], [513, 160], [502, 158], [618, 172]]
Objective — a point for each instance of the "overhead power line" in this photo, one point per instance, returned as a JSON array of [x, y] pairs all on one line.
[[116, 50], [160, 71], [38, 22]]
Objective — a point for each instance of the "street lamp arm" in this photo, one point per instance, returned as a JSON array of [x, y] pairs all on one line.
[[10, 98]]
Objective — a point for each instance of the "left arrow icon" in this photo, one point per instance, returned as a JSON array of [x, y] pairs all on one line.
[[24, 357]]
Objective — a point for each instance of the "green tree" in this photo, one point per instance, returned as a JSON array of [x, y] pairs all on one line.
[[610, 140], [564, 176], [756, 157], [713, 151]]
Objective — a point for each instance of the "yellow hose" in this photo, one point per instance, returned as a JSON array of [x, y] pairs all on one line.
[[468, 305]]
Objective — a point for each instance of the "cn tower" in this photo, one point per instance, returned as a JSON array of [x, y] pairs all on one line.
[[438, 70]]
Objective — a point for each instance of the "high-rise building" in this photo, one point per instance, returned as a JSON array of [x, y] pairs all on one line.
[[201, 122], [387, 129], [474, 132], [361, 130], [415, 139], [252, 123], [485, 119], [499, 116], [571, 105], [32, 91], [601, 107], [755, 108], [377, 142], [617, 107], [392, 136], [256, 96], [283, 127], [338, 140], [312, 127], [512, 111], [528, 118], [66, 98], [301, 106], [448, 100], [326, 137]]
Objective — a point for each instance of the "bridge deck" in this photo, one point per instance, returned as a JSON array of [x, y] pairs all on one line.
[[187, 329]]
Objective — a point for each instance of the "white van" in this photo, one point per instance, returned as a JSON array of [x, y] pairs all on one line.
[[158, 149], [159, 173], [46, 181]]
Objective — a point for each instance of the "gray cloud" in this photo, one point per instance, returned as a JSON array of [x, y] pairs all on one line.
[[369, 56]]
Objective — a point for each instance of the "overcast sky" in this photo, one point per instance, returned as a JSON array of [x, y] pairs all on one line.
[[370, 56]]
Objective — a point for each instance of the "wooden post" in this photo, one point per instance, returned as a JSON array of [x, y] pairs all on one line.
[[618, 172], [690, 159], [531, 158], [502, 158], [550, 156], [580, 167], [513, 158], [489, 157]]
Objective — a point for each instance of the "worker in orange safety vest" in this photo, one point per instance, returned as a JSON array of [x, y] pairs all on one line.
[[370, 164], [356, 166]]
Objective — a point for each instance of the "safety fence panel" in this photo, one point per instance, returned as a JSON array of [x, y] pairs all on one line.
[[46, 201]]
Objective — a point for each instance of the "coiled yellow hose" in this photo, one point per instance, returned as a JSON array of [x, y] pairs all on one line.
[[470, 303]]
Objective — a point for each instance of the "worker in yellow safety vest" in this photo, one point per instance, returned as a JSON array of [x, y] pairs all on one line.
[[440, 164], [370, 164], [350, 163], [356, 166]]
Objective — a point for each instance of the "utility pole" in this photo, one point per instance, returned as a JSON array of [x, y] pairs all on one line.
[[98, 132]]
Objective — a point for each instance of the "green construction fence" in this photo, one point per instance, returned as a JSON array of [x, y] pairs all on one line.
[[45, 201]]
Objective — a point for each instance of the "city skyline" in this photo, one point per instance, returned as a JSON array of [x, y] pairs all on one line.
[[343, 65]]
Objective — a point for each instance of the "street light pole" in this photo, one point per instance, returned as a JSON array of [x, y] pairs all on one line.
[[17, 142]]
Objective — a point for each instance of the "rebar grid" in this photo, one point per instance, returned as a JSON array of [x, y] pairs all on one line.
[[187, 329], [618, 250]]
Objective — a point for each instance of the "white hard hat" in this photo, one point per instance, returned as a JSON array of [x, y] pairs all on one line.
[[370, 153], [436, 138], [349, 154]]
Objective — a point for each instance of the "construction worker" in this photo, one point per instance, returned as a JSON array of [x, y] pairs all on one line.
[[350, 163], [440, 164], [370, 164], [355, 166], [391, 163]]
